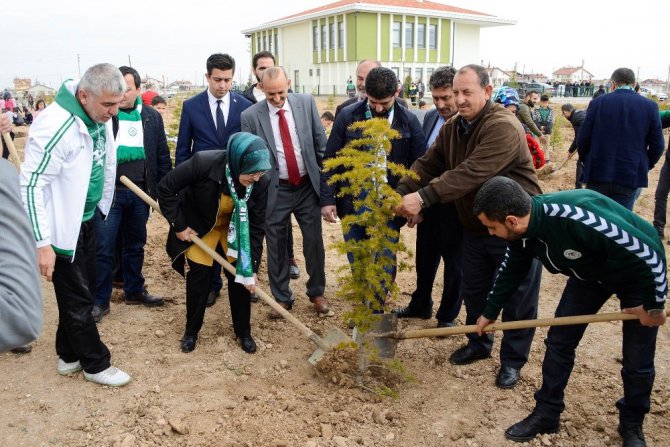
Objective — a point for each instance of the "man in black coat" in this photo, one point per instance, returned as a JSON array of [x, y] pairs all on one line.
[[143, 156], [576, 118]]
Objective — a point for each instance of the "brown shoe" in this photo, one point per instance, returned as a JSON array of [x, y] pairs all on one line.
[[274, 315], [321, 305]]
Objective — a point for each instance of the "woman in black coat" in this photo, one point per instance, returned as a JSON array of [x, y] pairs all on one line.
[[220, 195]]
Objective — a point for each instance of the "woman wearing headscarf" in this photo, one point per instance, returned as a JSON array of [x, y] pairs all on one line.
[[219, 196]]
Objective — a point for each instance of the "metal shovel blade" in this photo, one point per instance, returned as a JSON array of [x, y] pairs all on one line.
[[334, 337], [385, 346]]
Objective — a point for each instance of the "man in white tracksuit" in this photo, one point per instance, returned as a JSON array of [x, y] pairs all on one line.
[[69, 170]]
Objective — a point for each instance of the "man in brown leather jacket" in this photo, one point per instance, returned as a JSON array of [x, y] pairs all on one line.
[[482, 141]]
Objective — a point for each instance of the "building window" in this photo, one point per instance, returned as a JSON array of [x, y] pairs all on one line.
[[396, 70], [331, 31], [429, 73], [318, 72], [276, 46], [409, 35], [315, 36], [311, 72], [270, 43], [421, 36], [397, 34], [432, 37], [324, 36], [340, 35], [265, 42], [407, 73], [418, 74]]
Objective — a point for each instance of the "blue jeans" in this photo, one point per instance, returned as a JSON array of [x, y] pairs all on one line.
[[620, 194], [357, 233], [639, 345], [127, 217]]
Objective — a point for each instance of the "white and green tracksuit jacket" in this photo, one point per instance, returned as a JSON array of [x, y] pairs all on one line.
[[56, 173]]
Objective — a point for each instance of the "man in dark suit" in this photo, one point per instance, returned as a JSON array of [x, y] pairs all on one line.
[[439, 233], [362, 71], [620, 141], [290, 124], [381, 102], [207, 121], [142, 156], [209, 118]]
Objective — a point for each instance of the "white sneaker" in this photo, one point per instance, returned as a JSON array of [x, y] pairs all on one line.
[[65, 368], [110, 377]]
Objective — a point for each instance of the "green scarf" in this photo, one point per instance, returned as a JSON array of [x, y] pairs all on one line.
[[131, 135], [246, 154], [66, 99]]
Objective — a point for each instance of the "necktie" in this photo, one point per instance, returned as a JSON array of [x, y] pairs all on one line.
[[220, 123], [289, 153]]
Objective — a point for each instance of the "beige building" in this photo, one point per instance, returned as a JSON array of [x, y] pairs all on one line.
[[321, 47]]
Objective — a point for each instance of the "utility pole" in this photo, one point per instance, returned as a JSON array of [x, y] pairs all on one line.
[[78, 65]]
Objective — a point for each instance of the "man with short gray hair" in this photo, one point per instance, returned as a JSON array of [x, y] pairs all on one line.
[[68, 172]]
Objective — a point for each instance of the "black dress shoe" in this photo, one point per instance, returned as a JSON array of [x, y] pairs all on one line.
[[145, 298], [188, 343], [533, 425], [632, 436], [465, 355], [211, 298], [410, 312], [507, 377], [248, 344]]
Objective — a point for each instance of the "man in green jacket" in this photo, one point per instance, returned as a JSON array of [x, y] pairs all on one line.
[[605, 249]]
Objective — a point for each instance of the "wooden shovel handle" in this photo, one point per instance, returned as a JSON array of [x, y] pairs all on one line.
[[13, 154], [307, 332], [521, 324]]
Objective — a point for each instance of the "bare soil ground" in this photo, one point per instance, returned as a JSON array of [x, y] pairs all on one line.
[[220, 396]]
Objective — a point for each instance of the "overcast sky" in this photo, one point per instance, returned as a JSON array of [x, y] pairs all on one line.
[[44, 37]]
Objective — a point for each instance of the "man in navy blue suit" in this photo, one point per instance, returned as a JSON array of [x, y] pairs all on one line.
[[208, 120], [620, 140]]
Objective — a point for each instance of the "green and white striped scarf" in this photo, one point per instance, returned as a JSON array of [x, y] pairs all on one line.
[[131, 135]]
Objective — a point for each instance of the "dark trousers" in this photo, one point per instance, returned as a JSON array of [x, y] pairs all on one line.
[[639, 345], [579, 175], [661, 196], [77, 336], [482, 256], [620, 194], [439, 236], [303, 202], [197, 289], [386, 258], [127, 219]]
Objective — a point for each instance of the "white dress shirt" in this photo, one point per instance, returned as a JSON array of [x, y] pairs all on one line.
[[225, 105], [281, 158]]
